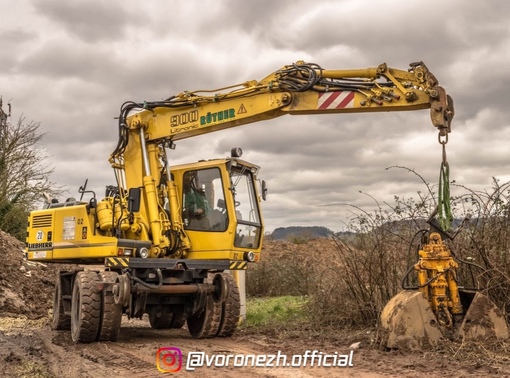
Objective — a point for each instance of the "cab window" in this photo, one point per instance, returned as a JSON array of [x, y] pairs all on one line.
[[204, 201]]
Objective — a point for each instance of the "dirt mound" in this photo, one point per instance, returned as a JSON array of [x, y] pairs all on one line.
[[26, 288], [319, 248]]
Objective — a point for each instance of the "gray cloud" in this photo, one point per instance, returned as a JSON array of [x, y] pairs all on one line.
[[70, 65], [64, 58], [90, 21]]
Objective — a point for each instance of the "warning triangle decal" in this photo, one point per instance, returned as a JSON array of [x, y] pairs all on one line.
[[242, 109]]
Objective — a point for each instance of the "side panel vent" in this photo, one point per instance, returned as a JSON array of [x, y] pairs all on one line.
[[40, 221]]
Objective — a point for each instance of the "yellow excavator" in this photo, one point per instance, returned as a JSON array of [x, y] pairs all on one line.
[[172, 240]]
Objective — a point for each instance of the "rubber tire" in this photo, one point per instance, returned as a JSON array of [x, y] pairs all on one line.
[[206, 324], [167, 319], [164, 320], [60, 321], [85, 307], [111, 313], [230, 309], [178, 320]]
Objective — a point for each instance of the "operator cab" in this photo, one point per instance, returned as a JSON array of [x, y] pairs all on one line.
[[220, 196]]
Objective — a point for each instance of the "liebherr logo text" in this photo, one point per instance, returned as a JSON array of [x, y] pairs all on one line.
[[40, 245]]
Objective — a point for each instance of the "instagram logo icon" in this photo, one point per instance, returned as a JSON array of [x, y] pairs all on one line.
[[169, 359]]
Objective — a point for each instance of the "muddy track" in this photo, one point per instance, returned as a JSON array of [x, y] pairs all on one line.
[[32, 349]]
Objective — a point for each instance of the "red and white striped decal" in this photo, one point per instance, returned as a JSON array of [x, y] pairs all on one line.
[[336, 100]]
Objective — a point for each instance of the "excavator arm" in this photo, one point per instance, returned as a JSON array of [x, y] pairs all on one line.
[[300, 88], [147, 129]]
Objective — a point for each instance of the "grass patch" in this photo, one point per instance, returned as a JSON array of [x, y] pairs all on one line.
[[275, 311], [32, 370]]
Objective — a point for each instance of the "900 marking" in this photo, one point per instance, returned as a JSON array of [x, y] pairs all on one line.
[[184, 118]]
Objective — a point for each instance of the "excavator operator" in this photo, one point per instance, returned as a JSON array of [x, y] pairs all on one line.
[[196, 205]]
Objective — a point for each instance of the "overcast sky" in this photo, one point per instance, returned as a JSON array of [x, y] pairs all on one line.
[[70, 65]]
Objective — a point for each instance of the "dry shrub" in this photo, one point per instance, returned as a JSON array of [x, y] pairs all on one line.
[[350, 282], [287, 268], [364, 274], [484, 244], [372, 263]]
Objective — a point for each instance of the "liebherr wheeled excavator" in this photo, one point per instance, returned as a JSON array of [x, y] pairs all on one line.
[[172, 238]]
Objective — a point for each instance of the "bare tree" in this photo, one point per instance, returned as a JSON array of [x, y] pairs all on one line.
[[24, 173]]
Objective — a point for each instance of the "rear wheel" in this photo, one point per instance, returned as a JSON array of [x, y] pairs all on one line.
[[160, 317], [60, 320], [178, 320], [111, 313], [85, 307], [163, 317]]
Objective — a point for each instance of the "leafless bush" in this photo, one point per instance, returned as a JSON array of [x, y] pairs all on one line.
[[282, 271], [369, 264], [485, 240], [351, 286], [384, 246]]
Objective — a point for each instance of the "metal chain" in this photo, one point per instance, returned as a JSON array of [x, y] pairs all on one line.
[[444, 209]]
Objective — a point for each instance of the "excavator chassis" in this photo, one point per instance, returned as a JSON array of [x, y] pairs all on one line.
[[172, 292]]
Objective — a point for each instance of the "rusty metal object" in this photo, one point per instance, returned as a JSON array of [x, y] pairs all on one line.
[[183, 289], [407, 322], [483, 320], [436, 309], [122, 290], [441, 109]]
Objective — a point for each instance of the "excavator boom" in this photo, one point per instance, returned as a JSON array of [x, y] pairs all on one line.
[[300, 88]]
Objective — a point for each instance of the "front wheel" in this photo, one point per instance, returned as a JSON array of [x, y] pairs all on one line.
[[230, 308], [205, 324]]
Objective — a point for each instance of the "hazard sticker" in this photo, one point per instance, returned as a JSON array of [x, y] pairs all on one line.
[[336, 100], [242, 109]]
